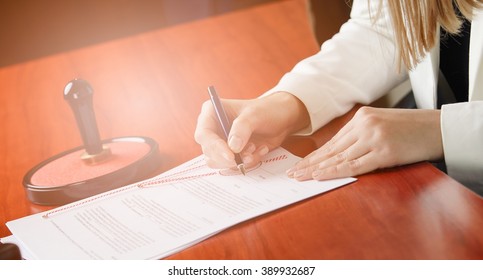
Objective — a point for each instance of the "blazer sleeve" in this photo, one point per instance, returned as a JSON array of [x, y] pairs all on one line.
[[357, 65], [462, 131]]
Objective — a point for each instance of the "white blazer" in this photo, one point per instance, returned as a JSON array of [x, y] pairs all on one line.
[[359, 65]]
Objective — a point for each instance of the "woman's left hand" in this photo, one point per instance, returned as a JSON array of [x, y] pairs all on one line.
[[375, 138]]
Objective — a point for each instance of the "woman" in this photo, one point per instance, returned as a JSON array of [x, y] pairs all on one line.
[[382, 44]]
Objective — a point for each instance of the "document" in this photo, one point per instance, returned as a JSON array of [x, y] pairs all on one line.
[[160, 216]]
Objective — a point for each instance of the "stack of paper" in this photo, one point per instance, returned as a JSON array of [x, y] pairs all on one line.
[[158, 217]]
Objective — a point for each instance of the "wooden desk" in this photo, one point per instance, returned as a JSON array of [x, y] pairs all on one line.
[[154, 83]]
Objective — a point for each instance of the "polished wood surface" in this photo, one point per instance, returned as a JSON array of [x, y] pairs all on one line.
[[30, 29], [153, 84]]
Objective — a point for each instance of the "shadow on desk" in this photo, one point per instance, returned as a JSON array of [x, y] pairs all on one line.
[[33, 29]]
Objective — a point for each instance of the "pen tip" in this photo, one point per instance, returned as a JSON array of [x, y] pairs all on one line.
[[241, 167]]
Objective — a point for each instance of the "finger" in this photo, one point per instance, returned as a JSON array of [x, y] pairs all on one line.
[[354, 167], [217, 164], [304, 174], [344, 151], [345, 130], [247, 154], [250, 148], [327, 151], [218, 154], [262, 151], [240, 132], [212, 142], [207, 126], [255, 157], [355, 150]]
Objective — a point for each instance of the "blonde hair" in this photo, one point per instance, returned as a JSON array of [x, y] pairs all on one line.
[[416, 24]]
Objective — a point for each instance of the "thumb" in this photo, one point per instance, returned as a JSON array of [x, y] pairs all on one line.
[[240, 133]]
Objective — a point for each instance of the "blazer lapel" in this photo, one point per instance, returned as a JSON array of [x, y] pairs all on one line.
[[424, 79], [475, 75]]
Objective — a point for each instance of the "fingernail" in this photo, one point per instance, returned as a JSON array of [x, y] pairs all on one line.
[[299, 173], [247, 159], [235, 144], [264, 151], [290, 172], [250, 148]]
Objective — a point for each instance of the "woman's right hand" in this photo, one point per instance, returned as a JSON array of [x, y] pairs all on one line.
[[258, 126]]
